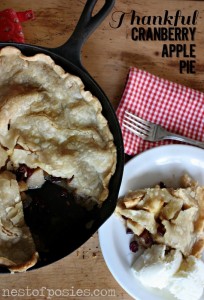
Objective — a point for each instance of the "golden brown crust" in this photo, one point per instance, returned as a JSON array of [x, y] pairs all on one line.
[[199, 225], [133, 198], [180, 212], [3, 157], [17, 250], [58, 125], [22, 267], [135, 227]]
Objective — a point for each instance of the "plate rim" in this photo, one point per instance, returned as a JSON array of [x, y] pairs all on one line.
[[158, 149]]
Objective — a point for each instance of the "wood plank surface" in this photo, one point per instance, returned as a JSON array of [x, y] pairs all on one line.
[[107, 55]]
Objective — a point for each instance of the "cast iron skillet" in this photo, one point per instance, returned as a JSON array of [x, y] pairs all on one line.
[[58, 224]]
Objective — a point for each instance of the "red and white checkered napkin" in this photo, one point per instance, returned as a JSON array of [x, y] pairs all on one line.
[[177, 108]]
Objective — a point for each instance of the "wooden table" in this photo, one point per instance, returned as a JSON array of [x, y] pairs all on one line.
[[107, 55]]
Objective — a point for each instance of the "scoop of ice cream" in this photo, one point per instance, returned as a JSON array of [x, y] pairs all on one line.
[[155, 267], [188, 282]]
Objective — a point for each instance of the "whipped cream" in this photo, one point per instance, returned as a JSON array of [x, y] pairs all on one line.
[[154, 269], [188, 282], [182, 277]]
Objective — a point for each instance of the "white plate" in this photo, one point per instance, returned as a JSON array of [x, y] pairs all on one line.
[[167, 164]]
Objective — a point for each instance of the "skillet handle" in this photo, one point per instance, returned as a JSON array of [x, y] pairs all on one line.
[[71, 50]]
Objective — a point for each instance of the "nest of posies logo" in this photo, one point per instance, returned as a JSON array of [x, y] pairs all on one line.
[[176, 31]]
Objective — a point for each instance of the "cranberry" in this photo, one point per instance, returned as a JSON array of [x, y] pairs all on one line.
[[134, 246], [129, 231], [55, 179], [64, 194], [161, 229], [162, 185], [146, 239], [23, 172]]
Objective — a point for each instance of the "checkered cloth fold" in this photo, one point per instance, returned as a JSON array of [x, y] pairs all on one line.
[[178, 108]]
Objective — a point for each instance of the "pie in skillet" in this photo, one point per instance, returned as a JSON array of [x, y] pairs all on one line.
[[51, 125]]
